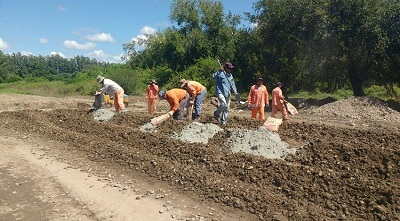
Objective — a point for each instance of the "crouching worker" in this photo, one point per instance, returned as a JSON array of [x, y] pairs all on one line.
[[197, 93], [178, 100], [112, 88]]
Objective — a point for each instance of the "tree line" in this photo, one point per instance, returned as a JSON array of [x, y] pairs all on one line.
[[321, 45]]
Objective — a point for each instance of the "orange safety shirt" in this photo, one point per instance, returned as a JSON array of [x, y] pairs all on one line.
[[152, 91], [194, 88], [174, 96], [258, 96], [277, 97]]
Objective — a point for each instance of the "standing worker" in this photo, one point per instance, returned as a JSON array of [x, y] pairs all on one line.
[[178, 100], [113, 89], [258, 99], [151, 96], [278, 102], [225, 84], [197, 93]]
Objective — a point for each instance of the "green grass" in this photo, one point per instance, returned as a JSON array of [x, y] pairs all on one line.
[[62, 89], [373, 91], [52, 89]]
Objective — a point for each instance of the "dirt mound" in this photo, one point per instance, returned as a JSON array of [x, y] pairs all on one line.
[[341, 174], [358, 108]]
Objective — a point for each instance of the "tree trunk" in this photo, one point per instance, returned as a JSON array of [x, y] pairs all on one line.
[[356, 82]]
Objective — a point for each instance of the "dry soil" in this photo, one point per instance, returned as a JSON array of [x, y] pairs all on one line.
[[59, 163]]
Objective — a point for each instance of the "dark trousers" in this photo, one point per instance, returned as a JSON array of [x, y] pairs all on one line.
[[179, 114]]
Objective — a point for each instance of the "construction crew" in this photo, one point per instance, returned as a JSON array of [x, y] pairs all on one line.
[[225, 84], [197, 93], [113, 89], [151, 96], [258, 99], [278, 102], [178, 100]]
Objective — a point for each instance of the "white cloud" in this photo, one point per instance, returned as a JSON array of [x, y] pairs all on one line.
[[144, 33], [57, 53], [100, 55], [105, 37], [26, 53], [146, 30], [118, 57], [76, 45], [43, 40], [3, 45]]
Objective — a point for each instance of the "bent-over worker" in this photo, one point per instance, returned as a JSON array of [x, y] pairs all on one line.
[[197, 93], [178, 100], [258, 99], [113, 89], [278, 102]]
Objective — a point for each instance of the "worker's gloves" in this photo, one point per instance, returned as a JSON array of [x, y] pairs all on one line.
[[170, 113], [191, 102], [267, 104]]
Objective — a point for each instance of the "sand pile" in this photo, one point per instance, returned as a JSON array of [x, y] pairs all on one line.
[[260, 142], [103, 115], [196, 132]]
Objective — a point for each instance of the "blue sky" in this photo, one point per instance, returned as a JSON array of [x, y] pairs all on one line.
[[92, 28]]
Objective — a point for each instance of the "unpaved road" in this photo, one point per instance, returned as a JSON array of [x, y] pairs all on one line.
[[58, 163]]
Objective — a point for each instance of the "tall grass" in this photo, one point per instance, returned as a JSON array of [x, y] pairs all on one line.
[[52, 89], [88, 87]]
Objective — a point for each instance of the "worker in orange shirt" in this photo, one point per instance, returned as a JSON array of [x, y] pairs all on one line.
[[278, 102], [197, 93], [178, 100], [258, 99], [151, 96]]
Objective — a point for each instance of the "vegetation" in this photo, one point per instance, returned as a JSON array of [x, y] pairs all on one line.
[[315, 47]]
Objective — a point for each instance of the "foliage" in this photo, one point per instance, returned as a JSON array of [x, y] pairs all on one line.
[[326, 46]]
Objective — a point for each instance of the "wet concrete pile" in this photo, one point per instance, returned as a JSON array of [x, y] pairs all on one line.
[[341, 174]]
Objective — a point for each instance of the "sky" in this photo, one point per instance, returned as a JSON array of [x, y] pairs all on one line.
[[91, 28]]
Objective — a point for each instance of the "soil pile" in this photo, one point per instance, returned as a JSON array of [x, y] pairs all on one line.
[[358, 108]]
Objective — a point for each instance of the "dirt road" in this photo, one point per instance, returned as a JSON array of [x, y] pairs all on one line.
[[58, 163]]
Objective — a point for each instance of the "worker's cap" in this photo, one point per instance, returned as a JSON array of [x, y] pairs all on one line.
[[229, 65], [154, 81], [100, 78], [279, 84], [161, 94], [260, 79], [183, 82]]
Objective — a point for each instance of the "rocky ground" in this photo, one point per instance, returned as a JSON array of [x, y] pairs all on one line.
[[345, 165]]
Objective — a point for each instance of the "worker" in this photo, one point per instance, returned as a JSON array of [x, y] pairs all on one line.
[[278, 102], [151, 96], [225, 83], [113, 89], [197, 93], [178, 100], [258, 99]]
